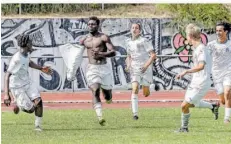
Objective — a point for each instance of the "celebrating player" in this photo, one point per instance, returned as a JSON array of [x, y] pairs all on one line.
[[139, 63], [18, 82], [200, 82], [99, 48]]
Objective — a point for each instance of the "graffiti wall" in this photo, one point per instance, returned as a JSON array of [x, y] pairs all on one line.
[[48, 34]]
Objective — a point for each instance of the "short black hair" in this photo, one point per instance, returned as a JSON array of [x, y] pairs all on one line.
[[23, 40], [95, 19], [227, 26]]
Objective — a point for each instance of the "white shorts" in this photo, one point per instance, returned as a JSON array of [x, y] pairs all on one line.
[[219, 87], [23, 96], [99, 74], [193, 95], [145, 79]]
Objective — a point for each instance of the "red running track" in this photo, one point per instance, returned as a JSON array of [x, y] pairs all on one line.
[[121, 99]]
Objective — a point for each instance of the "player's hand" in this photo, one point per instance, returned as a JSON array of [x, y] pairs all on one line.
[[179, 76], [144, 68], [7, 99], [47, 70]]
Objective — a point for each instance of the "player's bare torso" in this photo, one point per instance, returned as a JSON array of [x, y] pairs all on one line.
[[95, 43]]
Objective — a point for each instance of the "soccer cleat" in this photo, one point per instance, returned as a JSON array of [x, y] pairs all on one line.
[[226, 121], [16, 109], [215, 110], [135, 117], [38, 128], [182, 130], [102, 122]]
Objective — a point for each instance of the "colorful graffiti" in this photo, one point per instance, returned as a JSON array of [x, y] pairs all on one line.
[[182, 46], [48, 34]]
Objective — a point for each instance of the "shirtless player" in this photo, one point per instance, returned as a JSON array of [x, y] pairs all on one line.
[[98, 75]]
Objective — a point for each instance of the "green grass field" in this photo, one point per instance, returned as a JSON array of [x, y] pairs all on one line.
[[155, 126]]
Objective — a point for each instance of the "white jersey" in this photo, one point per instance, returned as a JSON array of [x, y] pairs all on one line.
[[201, 78], [18, 67], [221, 57], [139, 51]]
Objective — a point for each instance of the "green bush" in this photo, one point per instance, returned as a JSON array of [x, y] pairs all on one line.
[[206, 15]]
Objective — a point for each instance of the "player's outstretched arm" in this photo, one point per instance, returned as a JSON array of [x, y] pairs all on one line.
[[44, 69], [197, 68]]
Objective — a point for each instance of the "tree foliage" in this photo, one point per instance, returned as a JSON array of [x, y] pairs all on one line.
[[9, 9], [206, 15]]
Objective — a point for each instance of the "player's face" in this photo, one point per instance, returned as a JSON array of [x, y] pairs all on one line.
[[135, 30], [92, 26], [29, 47], [221, 34]]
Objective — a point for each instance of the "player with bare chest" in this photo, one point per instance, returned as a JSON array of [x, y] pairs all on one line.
[[95, 45], [99, 48]]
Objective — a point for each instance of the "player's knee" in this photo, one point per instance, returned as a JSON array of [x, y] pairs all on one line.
[[222, 101], [222, 98], [146, 92], [227, 94], [184, 107], [135, 89], [40, 104], [38, 101], [96, 92], [95, 88]]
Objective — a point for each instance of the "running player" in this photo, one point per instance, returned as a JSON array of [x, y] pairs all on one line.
[[18, 82], [200, 83], [221, 68], [99, 48], [139, 62]]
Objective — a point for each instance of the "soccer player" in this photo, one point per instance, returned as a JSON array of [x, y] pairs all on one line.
[[200, 82], [99, 48], [18, 82], [221, 69], [139, 63]]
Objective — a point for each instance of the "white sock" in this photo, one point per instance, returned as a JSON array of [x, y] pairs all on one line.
[[185, 120], [134, 99], [227, 113], [38, 121], [204, 104], [98, 110]]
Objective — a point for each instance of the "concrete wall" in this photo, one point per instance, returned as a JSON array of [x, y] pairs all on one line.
[[48, 34]]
